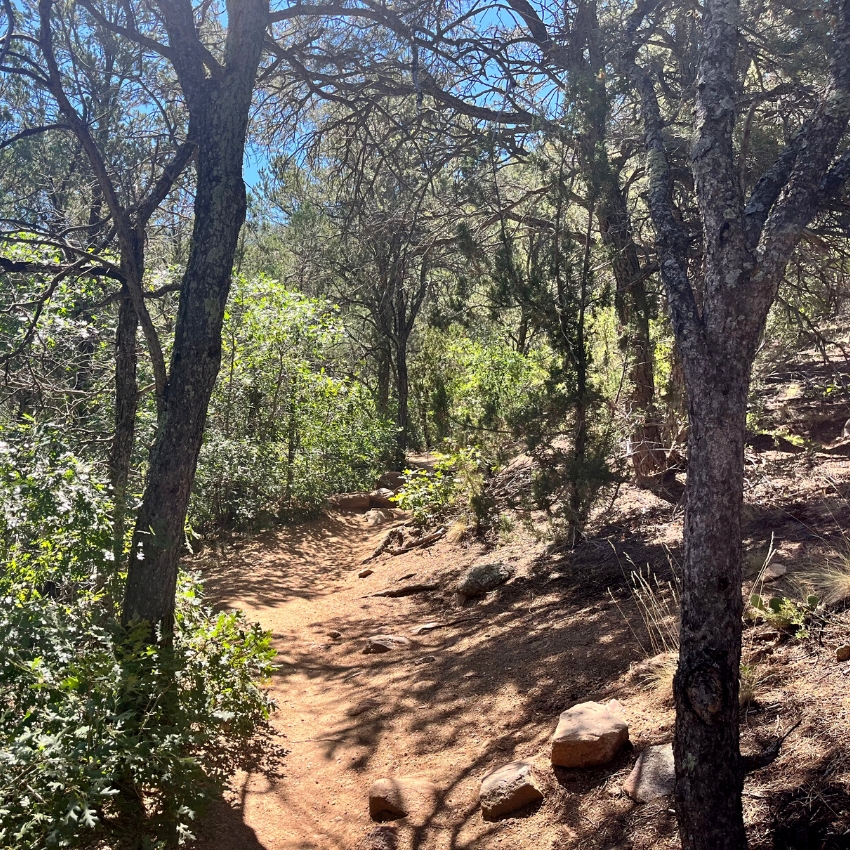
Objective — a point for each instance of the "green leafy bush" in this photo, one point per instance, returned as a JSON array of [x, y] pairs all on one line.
[[783, 613], [456, 486], [105, 736], [54, 513]]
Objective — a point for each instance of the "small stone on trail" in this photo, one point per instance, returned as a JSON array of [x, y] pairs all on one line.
[[384, 643], [653, 776], [379, 516], [774, 571], [426, 659], [400, 797], [380, 498], [589, 734], [425, 627], [380, 838], [365, 573], [843, 653], [507, 789], [482, 578], [334, 635]]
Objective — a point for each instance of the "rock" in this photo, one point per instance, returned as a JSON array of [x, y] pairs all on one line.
[[653, 776], [381, 498], [774, 571], [426, 659], [399, 797], [507, 789], [391, 481], [378, 516], [334, 635], [843, 653], [365, 573], [380, 838], [385, 643], [425, 627], [481, 578], [589, 734], [351, 501]]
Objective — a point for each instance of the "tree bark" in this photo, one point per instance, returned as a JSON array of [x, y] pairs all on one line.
[[126, 403], [218, 104], [402, 399], [709, 771]]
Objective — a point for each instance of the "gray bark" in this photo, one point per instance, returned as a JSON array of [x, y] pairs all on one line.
[[746, 249], [218, 98]]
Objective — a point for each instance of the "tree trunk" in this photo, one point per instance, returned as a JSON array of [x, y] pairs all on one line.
[[219, 113], [402, 399], [709, 774], [647, 455], [126, 403]]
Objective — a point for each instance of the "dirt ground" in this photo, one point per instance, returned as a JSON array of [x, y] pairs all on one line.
[[487, 686]]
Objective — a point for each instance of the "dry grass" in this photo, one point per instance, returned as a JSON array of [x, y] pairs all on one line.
[[831, 580], [456, 531]]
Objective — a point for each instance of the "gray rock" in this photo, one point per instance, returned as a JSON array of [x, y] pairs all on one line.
[[482, 578], [589, 734], [378, 516], [402, 797], [381, 498], [380, 838], [385, 643], [425, 627], [391, 481], [653, 776], [507, 789]]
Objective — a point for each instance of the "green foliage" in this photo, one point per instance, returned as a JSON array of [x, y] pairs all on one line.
[[783, 613], [285, 429], [477, 389], [455, 486], [428, 494], [54, 513], [103, 734]]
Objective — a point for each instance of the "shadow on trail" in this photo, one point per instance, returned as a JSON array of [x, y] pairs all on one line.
[[520, 656], [296, 561]]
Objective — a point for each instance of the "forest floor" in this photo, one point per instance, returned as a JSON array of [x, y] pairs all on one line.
[[487, 687]]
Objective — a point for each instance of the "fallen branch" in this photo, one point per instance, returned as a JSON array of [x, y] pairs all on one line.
[[394, 534], [425, 540], [406, 590], [768, 755]]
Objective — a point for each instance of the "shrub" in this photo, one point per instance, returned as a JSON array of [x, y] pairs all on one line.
[[54, 513], [456, 485], [105, 736]]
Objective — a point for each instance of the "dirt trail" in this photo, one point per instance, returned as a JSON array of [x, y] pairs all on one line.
[[488, 686], [462, 700]]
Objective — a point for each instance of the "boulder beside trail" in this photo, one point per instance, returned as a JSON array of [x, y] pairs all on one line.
[[391, 480], [653, 776], [402, 797], [351, 501], [482, 578], [589, 734], [385, 643], [507, 789]]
